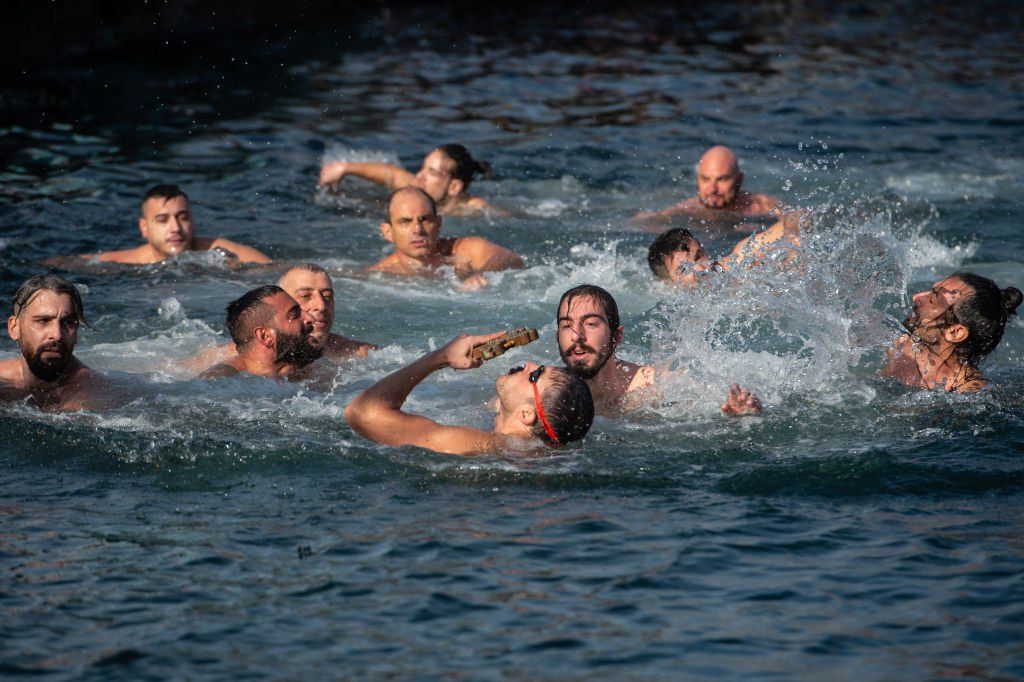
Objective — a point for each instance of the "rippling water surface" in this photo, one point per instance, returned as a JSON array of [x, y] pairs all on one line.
[[241, 528]]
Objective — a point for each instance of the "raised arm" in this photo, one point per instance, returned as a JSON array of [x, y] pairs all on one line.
[[486, 256], [377, 414], [246, 254], [385, 174]]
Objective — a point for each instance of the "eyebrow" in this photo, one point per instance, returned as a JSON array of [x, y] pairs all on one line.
[[585, 317]]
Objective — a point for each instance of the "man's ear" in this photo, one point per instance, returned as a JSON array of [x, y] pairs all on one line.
[[385, 229], [12, 328], [144, 229], [617, 335], [455, 187], [264, 336], [955, 333], [526, 416]]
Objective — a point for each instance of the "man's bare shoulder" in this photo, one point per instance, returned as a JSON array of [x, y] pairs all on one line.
[[221, 370], [643, 377], [10, 369], [137, 256], [340, 348], [389, 263], [762, 203]]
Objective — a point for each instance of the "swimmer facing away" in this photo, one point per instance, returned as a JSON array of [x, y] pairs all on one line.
[[44, 322], [413, 225], [168, 228], [720, 194], [537, 405], [446, 175], [950, 329]]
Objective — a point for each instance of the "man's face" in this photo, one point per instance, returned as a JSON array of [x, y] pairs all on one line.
[[291, 331], [414, 227], [585, 339], [167, 225], [930, 308], [435, 176], [718, 183], [682, 264], [314, 294], [46, 331], [514, 389]]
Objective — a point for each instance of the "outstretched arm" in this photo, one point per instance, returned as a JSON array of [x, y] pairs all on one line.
[[741, 401], [377, 412], [385, 174]]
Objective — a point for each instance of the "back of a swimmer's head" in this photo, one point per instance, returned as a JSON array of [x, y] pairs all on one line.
[[48, 282], [600, 296], [984, 312], [404, 191], [302, 267], [465, 167], [164, 191], [568, 407], [250, 311], [667, 243]]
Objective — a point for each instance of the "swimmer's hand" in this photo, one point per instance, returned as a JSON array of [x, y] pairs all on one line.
[[474, 282], [332, 173], [741, 401], [458, 353]]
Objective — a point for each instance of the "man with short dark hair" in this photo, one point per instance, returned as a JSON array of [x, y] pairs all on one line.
[[446, 175], [268, 329], [46, 315], [413, 226], [167, 225], [536, 405], [950, 329], [589, 332]]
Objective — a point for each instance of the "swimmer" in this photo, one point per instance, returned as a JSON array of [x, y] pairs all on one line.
[[589, 331], [413, 225], [677, 256], [446, 175], [46, 316], [720, 195], [310, 285], [536, 405], [271, 335], [167, 226], [950, 329]]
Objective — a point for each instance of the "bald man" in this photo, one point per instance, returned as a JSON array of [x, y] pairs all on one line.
[[720, 195]]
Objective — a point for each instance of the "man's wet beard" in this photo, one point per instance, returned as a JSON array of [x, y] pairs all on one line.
[[579, 367], [49, 369], [295, 349]]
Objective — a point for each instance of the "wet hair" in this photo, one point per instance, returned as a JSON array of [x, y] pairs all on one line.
[[465, 165], [48, 282], [305, 267], [249, 311], [568, 406], [391, 199], [984, 313], [667, 243], [604, 299], [165, 192]]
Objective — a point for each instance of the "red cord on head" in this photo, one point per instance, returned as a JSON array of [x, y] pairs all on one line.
[[543, 418]]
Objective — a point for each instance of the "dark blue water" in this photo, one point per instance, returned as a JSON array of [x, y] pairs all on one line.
[[857, 530]]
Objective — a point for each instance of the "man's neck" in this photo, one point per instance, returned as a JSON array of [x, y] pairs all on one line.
[[264, 365], [612, 381], [937, 363]]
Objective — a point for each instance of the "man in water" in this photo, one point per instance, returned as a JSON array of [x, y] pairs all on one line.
[[951, 328], [720, 195], [446, 175], [677, 256], [167, 226], [45, 320], [414, 226], [270, 333], [589, 331], [536, 405]]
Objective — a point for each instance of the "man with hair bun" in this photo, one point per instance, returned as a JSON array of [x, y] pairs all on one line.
[[446, 175], [950, 330], [537, 405], [44, 322]]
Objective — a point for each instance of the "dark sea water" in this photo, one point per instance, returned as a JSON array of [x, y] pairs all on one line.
[[240, 529]]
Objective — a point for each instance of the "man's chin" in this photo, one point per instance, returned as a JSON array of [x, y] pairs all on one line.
[[587, 369]]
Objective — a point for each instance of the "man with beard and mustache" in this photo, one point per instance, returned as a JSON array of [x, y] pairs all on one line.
[[271, 334], [46, 316], [589, 331], [950, 329]]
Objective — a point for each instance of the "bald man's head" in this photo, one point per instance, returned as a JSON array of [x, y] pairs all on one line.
[[718, 178]]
